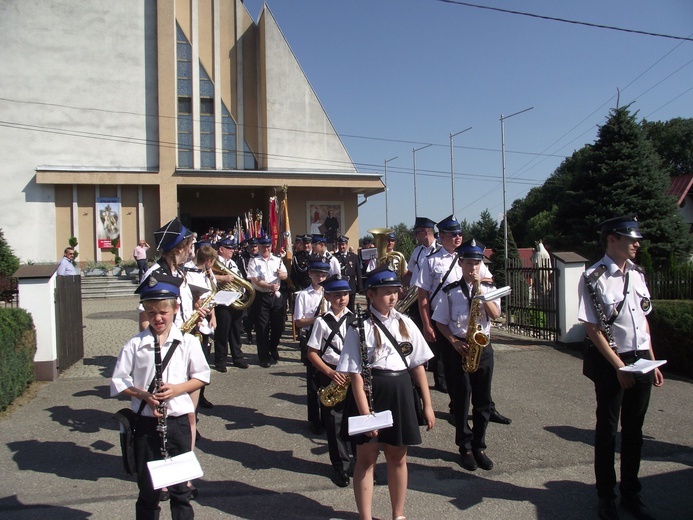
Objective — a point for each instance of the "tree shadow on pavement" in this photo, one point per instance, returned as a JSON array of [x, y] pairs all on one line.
[[102, 391], [83, 421], [106, 364], [651, 449], [65, 459], [12, 509], [242, 418], [253, 503]]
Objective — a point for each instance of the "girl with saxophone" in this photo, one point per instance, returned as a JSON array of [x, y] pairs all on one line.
[[163, 410], [324, 348], [392, 350], [466, 324]]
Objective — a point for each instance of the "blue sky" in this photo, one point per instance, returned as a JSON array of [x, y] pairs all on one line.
[[394, 75]]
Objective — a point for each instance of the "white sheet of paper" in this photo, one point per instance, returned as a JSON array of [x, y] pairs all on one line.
[[494, 294], [174, 470], [370, 422], [643, 366], [226, 298]]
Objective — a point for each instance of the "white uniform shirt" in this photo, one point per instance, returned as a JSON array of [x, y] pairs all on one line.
[[335, 266], [135, 367], [307, 302], [453, 310], [322, 331], [418, 259], [434, 269], [202, 279], [387, 357], [630, 327], [266, 269], [66, 268]]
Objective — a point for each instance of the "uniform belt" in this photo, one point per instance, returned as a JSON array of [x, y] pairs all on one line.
[[631, 355], [381, 372]]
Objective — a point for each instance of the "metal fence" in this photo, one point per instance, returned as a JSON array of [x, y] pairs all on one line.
[[670, 285], [531, 308], [68, 307]]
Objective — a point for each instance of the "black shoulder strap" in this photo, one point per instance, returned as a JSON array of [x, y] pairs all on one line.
[[442, 281], [391, 338], [334, 330], [164, 364], [594, 275]]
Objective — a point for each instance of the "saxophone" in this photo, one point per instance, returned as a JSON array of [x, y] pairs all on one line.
[[476, 339], [334, 393]]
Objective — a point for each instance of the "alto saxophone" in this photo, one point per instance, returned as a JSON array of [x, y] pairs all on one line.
[[476, 339], [334, 393]]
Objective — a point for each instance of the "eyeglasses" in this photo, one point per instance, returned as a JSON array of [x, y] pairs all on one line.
[[453, 234]]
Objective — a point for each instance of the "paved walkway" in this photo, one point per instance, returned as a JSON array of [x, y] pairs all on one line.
[[60, 458]]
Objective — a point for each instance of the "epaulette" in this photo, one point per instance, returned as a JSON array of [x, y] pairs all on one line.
[[594, 275], [433, 252], [639, 269]]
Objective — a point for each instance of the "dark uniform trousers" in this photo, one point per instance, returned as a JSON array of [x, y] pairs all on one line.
[[463, 386], [148, 447], [631, 404], [332, 418], [268, 312], [312, 398], [435, 364], [227, 334]]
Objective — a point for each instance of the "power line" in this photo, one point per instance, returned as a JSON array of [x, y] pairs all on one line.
[[565, 20]]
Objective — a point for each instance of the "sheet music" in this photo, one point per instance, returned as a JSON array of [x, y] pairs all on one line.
[[370, 422], [643, 366], [494, 294], [226, 298], [174, 470]]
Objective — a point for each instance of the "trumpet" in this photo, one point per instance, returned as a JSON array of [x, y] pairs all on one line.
[[238, 284]]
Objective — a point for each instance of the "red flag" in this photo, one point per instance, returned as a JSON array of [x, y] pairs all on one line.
[[273, 227]]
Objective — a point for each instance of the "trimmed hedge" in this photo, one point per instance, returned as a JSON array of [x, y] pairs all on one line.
[[671, 325], [17, 351]]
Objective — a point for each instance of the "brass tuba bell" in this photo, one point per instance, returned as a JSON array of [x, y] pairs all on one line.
[[394, 259], [237, 285]]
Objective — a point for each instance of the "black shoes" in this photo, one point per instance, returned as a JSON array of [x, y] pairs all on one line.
[[221, 367], [607, 509], [482, 460], [635, 506], [441, 387], [204, 403], [265, 364], [239, 363], [498, 418], [468, 460], [340, 478], [316, 428]]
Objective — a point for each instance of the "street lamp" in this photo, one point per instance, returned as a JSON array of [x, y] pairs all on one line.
[[452, 166], [387, 188], [505, 211], [416, 207]]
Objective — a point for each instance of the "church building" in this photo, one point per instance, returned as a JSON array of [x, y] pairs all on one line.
[[118, 116]]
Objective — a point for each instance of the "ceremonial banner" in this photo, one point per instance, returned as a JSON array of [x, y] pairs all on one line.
[[273, 225], [107, 221]]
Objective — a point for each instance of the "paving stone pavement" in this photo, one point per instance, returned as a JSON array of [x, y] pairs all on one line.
[[60, 458]]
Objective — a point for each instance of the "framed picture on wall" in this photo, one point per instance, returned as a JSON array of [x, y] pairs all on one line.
[[326, 218]]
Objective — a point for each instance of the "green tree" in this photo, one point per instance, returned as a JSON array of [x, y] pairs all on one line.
[[673, 141], [620, 174], [484, 230], [405, 239], [9, 263]]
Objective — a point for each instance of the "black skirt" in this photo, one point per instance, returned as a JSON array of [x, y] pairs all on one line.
[[393, 391]]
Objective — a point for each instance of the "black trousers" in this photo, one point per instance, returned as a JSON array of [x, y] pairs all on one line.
[[332, 418], [631, 405], [312, 399], [435, 364], [474, 389], [269, 314], [227, 334], [148, 447]]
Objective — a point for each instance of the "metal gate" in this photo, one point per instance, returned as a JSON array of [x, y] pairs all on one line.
[[531, 308], [68, 316]]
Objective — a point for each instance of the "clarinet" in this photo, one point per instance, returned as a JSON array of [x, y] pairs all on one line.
[[603, 322], [365, 364], [162, 408]]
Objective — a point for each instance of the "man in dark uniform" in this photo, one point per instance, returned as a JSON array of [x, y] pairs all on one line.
[[614, 304], [248, 250], [299, 266], [351, 268]]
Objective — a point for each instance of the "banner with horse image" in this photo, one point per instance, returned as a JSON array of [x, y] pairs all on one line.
[[107, 221]]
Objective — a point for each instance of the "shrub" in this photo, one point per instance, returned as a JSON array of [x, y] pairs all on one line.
[[671, 325], [17, 351], [9, 263]]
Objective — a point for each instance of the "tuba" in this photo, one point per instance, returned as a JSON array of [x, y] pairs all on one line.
[[237, 285], [476, 339], [394, 259]]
